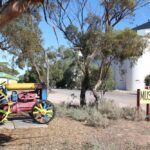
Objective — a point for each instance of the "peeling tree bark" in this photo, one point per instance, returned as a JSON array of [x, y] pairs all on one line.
[[47, 72], [96, 95]]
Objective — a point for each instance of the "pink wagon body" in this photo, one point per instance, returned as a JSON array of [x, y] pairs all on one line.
[[25, 102]]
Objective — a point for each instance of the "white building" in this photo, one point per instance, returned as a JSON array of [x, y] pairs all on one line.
[[132, 78]]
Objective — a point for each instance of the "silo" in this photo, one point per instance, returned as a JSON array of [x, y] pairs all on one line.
[[137, 73]]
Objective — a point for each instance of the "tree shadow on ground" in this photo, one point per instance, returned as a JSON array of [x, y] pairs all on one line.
[[5, 139], [26, 119]]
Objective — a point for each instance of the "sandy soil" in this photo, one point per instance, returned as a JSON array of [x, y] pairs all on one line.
[[67, 134]]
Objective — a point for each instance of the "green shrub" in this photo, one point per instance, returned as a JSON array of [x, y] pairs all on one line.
[[110, 109], [61, 110], [128, 113], [80, 114], [75, 112], [101, 117], [132, 114], [90, 115], [96, 119]]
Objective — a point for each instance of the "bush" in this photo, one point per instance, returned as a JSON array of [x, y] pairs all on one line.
[[96, 119], [102, 116], [132, 114], [80, 114], [75, 112], [90, 115], [128, 113], [110, 109]]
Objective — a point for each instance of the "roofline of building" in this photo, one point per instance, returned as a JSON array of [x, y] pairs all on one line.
[[142, 26], [8, 76]]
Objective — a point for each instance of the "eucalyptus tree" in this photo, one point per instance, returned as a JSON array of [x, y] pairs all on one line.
[[22, 38], [5, 67], [94, 35]]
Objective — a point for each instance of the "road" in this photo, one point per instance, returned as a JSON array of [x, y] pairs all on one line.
[[73, 96]]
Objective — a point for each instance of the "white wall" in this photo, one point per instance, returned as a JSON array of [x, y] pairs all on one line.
[[136, 74], [143, 32], [120, 79]]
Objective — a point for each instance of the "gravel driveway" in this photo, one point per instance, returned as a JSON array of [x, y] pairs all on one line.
[[73, 96]]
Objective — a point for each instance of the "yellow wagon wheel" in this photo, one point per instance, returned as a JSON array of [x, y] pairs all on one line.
[[43, 112], [3, 116], [5, 106], [5, 110]]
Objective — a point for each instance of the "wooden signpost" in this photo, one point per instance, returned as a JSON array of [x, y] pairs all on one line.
[[143, 97]]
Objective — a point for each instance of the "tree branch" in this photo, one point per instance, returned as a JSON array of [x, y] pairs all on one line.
[[14, 9]]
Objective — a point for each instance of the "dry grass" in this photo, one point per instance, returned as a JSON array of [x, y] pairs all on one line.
[[101, 117], [110, 109], [99, 145], [133, 114], [68, 134]]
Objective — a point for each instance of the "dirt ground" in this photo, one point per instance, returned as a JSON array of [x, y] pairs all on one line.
[[68, 134]]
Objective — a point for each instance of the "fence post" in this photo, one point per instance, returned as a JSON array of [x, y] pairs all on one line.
[[147, 107], [138, 99]]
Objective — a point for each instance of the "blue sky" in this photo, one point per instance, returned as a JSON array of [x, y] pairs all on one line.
[[142, 15], [49, 36]]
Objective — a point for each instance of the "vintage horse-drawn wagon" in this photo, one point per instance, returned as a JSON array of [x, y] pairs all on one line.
[[26, 97]]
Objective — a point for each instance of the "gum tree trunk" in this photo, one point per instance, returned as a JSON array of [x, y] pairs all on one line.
[[14, 9], [96, 95], [84, 88]]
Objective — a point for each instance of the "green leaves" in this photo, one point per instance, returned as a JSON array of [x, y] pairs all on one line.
[[71, 34], [4, 67], [23, 37], [128, 3], [129, 45]]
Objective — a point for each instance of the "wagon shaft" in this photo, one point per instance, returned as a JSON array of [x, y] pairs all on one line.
[[21, 86]]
